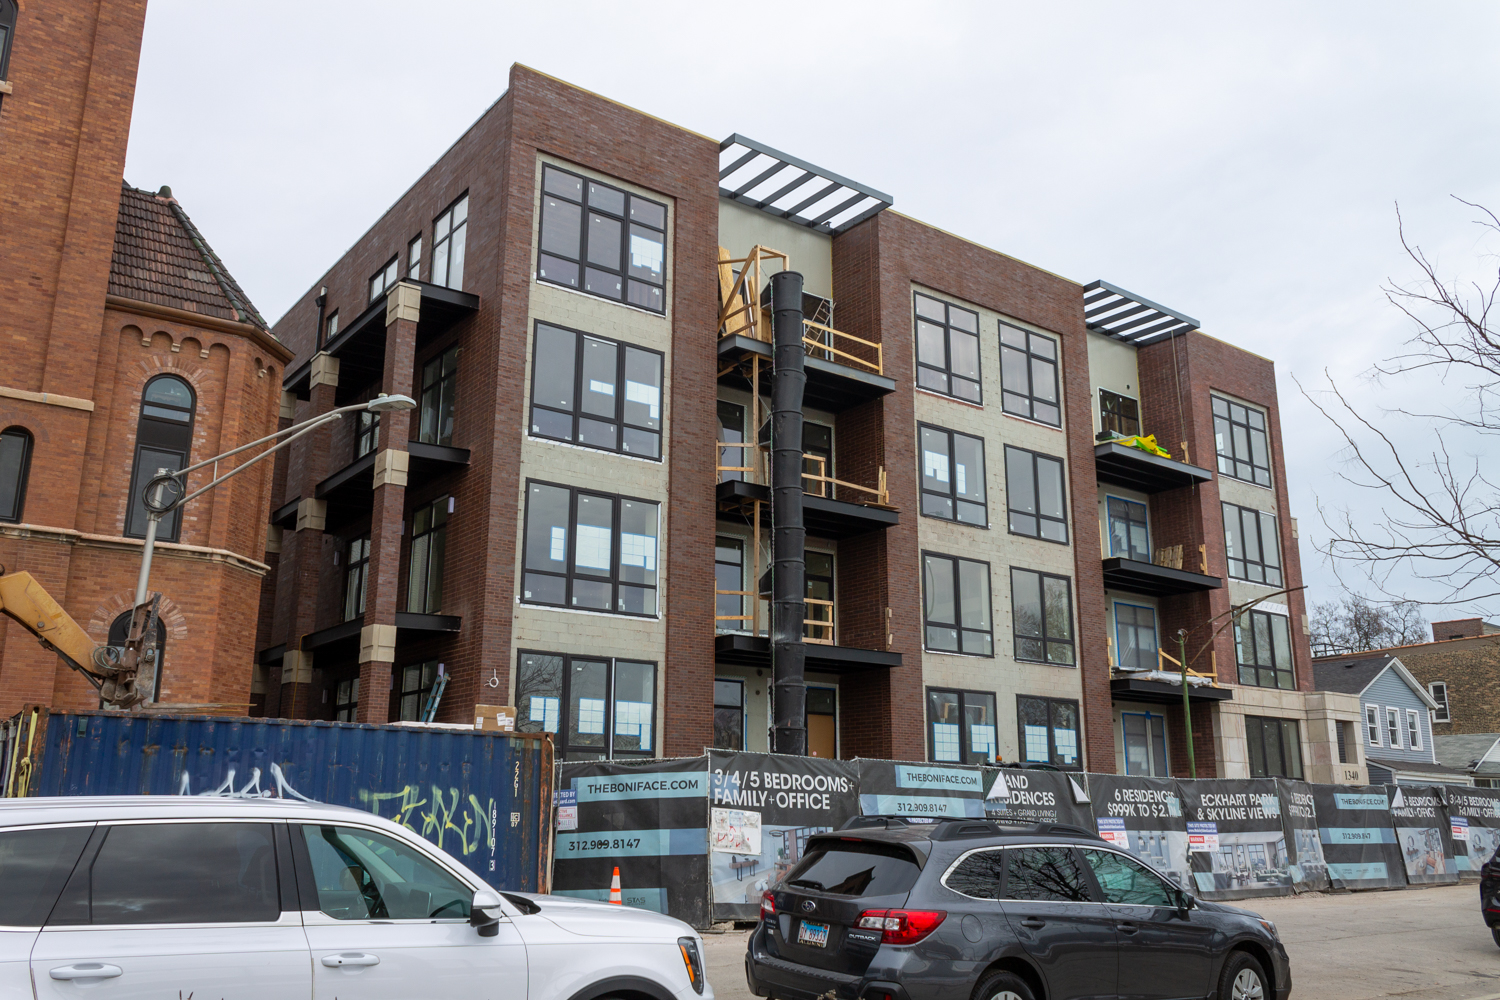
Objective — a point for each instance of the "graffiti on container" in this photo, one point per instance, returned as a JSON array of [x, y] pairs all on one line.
[[252, 789], [441, 819]]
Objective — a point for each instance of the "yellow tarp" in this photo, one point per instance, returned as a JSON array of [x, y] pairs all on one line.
[[1147, 443]]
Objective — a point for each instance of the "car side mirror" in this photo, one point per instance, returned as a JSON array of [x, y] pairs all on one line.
[[1185, 902], [484, 912]]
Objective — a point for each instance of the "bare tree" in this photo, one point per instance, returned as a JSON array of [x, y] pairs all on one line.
[[1353, 624], [1439, 512]]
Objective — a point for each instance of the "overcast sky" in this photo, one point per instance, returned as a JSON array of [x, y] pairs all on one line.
[[1239, 163]]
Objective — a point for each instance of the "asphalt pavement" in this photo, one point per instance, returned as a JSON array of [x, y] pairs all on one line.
[[1417, 944]]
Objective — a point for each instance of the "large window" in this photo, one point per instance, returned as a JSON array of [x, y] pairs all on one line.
[[450, 233], [1028, 375], [1049, 730], [595, 707], [1145, 738], [1034, 495], [961, 726], [1240, 438], [1042, 617], [731, 595], [346, 700], [356, 576], [1263, 645], [15, 467], [429, 544], [948, 349], [733, 462], [163, 439], [729, 714], [953, 476], [366, 433], [956, 609], [1275, 750], [1372, 725], [1251, 544], [1129, 532], [417, 682], [439, 395], [602, 240], [1118, 414], [383, 279], [1135, 636], [596, 392], [1439, 692], [7, 32], [589, 550], [818, 581]]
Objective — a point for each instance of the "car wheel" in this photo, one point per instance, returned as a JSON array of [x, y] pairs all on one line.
[[1495, 933], [1243, 979], [1003, 986]]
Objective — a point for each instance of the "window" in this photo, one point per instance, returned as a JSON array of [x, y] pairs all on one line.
[[356, 576], [450, 232], [15, 467], [1263, 645], [383, 279], [729, 714], [366, 433], [1045, 874], [580, 699], [1034, 495], [596, 392], [1129, 532], [416, 685], [1028, 375], [956, 609], [961, 726], [733, 462], [858, 868], [1439, 692], [1049, 730], [948, 349], [978, 875], [429, 543], [362, 875], [1275, 750], [1342, 734], [1251, 544], [7, 32], [729, 585], [163, 439], [1145, 738], [1393, 728], [34, 867], [589, 550], [602, 240], [331, 326], [1240, 438], [1413, 730], [1135, 637], [953, 476], [1372, 725], [346, 700], [1127, 881], [1042, 617], [1119, 415], [818, 582], [414, 258], [439, 392]]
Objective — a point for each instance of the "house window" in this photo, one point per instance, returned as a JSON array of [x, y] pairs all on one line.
[[1439, 692], [1275, 750], [1119, 415], [1263, 646], [346, 700], [953, 476], [1145, 738], [331, 326], [1372, 725], [163, 439], [596, 392], [1393, 728], [429, 542], [602, 240], [1034, 495], [366, 433], [1028, 375], [450, 233], [356, 576], [596, 707], [956, 608], [7, 32], [15, 467], [1049, 730], [1413, 729], [416, 686], [1135, 636], [1042, 617], [414, 258], [729, 714], [1251, 544], [439, 392], [589, 550], [1240, 437], [1129, 532], [961, 726], [733, 462], [730, 594], [818, 579], [383, 279], [948, 349]]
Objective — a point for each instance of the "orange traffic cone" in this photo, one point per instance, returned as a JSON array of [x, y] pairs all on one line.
[[614, 888]]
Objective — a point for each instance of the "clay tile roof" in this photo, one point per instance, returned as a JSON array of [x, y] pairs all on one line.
[[162, 258]]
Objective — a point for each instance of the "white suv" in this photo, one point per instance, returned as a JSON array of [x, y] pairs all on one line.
[[219, 899]]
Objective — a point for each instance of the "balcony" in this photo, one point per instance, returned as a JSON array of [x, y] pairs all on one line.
[[349, 491], [1163, 685], [1163, 577], [1134, 469], [342, 640], [822, 514]]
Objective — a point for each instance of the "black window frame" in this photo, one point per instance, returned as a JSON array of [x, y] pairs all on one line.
[[386, 276], [414, 258], [1032, 400], [454, 241], [966, 752], [566, 749], [163, 435], [569, 574], [346, 699], [1136, 627], [1054, 756], [1256, 729], [1145, 522], [356, 573], [331, 326], [619, 421], [1230, 462], [1262, 670], [16, 492], [952, 498], [729, 609], [945, 372], [366, 433], [427, 673], [436, 533], [9, 14], [1247, 564], [957, 626], [1047, 641], [1037, 457], [1111, 412], [722, 705], [1444, 708], [438, 396], [629, 280]]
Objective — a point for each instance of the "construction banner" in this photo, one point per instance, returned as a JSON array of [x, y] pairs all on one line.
[[1424, 834], [1014, 795], [1144, 816], [1359, 843], [762, 809], [919, 791], [1236, 838], [651, 821], [1299, 819], [1474, 816]]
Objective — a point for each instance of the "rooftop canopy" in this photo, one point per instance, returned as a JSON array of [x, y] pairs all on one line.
[[1126, 316], [767, 179]]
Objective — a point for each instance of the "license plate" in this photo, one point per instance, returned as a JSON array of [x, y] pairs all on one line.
[[812, 933]]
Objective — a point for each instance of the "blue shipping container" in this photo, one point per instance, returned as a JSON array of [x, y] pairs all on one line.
[[484, 797]]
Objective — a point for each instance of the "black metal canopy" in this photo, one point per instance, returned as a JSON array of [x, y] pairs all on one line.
[[1156, 581], [1163, 693], [755, 651], [779, 184], [825, 517], [1123, 315], [1134, 469]]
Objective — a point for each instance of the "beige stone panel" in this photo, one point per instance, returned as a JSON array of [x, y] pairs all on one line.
[[741, 228], [1237, 491], [1113, 366]]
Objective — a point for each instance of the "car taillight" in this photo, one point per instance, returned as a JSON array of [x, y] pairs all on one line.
[[901, 926], [767, 905]]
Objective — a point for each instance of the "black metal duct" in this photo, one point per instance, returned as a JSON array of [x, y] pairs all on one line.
[[788, 534]]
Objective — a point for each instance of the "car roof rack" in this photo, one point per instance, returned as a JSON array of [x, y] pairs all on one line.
[[942, 828]]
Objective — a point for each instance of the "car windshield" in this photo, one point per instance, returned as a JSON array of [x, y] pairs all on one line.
[[854, 868]]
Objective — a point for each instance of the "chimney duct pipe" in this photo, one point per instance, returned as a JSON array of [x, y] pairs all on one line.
[[788, 533]]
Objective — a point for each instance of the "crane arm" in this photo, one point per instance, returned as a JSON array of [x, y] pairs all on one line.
[[26, 601]]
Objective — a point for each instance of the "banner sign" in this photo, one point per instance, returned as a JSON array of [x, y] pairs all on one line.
[[1474, 817], [1015, 795], [1144, 817], [651, 821], [1359, 843], [920, 791], [762, 809], [1236, 839], [1423, 833], [1299, 819]]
